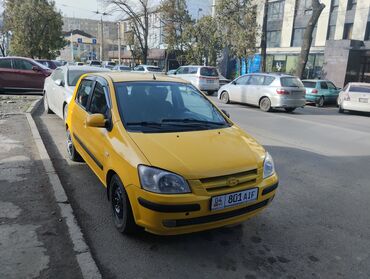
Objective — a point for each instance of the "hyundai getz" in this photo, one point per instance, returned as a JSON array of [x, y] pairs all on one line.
[[171, 161]]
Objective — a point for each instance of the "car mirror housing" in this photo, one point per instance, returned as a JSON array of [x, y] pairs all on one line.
[[59, 82], [36, 69], [96, 120]]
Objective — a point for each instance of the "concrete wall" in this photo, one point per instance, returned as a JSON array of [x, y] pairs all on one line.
[[322, 32], [288, 21], [361, 18]]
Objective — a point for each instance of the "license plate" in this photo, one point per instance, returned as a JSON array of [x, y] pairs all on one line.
[[209, 81], [234, 199], [363, 100]]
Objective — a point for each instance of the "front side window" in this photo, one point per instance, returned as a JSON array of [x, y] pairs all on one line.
[[242, 80], [84, 92], [58, 75], [331, 85], [99, 102], [182, 70], [20, 64], [156, 107], [324, 85]]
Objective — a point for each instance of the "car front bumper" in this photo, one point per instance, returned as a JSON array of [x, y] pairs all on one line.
[[187, 213]]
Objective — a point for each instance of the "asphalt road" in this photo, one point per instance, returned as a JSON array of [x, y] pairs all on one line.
[[318, 226]]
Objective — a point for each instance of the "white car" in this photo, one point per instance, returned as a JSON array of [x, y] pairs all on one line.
[[147, 69], [205, 78], [59, 87], [355, 97]]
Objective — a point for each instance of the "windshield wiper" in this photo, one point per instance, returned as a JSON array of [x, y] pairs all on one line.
[[145, 124], [193, 121]]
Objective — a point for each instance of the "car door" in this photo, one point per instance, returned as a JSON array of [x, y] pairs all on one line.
[[324, 90], [255, 89], [29, 76], [52, 91], [59, 92], [8, 76], [78, 117], [333, 91], [98, 141], [237, 92]]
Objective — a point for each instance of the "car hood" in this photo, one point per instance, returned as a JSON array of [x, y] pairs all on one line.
[[201, 154]]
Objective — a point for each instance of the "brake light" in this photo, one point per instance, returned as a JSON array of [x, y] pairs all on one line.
[[282, 92], [314, 91], [346, 97]]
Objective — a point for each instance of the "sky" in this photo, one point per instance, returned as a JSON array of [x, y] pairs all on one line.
[[86, 8]]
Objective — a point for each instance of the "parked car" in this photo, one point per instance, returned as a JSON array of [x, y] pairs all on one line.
[[80, 64], [205, 78], [267, 91], [51, 64], [147, 69], [109, 64], [94, 63], [122, 68], [170, 160], [355, 97], [23, 74], [320, 92], [59, 87], [171, 72]]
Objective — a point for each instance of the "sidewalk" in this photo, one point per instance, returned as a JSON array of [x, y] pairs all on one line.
[[34, 238]]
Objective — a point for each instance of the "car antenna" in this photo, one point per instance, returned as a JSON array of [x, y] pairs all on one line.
[[154, 78]]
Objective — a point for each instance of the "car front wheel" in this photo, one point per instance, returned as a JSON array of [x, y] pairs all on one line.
[[121, 208], [71, 150], [225, 97]]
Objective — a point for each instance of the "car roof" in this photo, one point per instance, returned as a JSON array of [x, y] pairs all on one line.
[[84, 68], [132, 76]]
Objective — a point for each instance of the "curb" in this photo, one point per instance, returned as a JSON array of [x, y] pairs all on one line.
[[85, 260]]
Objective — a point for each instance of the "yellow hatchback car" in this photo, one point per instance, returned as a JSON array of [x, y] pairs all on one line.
[[171, 161]]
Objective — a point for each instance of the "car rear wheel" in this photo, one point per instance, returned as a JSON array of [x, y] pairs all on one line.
[[225, 97], [290, 110], [121, 208], [265, 104], [71, 150], [46, 105], [320, 102], [210, 93]]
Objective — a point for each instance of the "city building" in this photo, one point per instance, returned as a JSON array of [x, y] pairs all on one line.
[[342, 36]]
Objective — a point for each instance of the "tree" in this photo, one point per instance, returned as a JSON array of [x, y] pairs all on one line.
[[238, 26], [36, 28], [206, 42], [137, 12], [317, 9], [176, 21]]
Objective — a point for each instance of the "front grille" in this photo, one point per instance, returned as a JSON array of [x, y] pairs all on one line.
[[214, 217], [219, 183]]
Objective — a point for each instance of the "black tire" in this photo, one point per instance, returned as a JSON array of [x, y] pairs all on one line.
[[65, 112], [46, 105], [289, 110], [71, 150], [225, 97], [320, 103], [265, 104], [210, 93], [340, 110], [121, 208]]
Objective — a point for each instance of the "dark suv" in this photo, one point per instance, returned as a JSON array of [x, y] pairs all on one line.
[[25, 74]]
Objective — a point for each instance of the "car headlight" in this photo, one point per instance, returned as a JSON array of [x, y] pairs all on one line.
[[268, 166], [161, 181]]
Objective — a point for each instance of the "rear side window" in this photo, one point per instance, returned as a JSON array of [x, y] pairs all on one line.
[[154, 69], [324, 85], [5, 64], [360, 89], [309, 84], [208, 72], [84, 92], [291, 82], [268, 80]]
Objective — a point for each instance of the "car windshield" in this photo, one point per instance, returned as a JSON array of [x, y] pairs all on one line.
[[208, 72], [157, 107], [95, 63], [309, 84], [360, 89], [290, 82], [154, 69]]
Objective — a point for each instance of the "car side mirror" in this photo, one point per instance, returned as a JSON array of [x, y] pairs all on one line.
[[226, 113], [59, 82], [233, 82], [36, 69], [96, 120]]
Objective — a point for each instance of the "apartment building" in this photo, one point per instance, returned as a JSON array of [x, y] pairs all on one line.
[[342, 35]]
